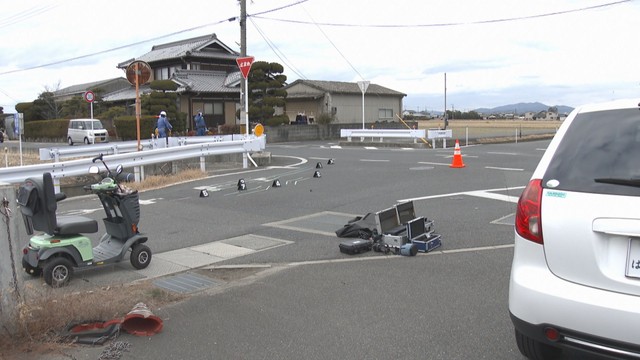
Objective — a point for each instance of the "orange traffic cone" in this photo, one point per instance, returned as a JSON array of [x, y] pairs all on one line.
[[457, 157]]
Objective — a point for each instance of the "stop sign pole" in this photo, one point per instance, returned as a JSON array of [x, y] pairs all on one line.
[[244, 63]]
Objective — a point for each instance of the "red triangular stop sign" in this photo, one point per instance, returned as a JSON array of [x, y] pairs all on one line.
[[244, 63]]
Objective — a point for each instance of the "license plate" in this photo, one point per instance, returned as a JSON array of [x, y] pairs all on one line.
[[633, 259]]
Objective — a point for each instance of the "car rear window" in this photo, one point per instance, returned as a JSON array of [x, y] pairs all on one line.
[[600, 153]]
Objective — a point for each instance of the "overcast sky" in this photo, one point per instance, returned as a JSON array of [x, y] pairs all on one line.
[[494, 52]]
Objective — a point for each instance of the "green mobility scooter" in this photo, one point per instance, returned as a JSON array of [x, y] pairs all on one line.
[[61, 245]]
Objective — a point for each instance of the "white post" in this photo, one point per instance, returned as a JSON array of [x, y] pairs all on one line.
[[363, 110], [245, 161], [246, 106], [466, 136], [363, 87]]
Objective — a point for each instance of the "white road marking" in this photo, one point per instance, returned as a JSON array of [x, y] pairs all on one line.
[[432, 163], [373, 160], [478, 193], [501, 168]]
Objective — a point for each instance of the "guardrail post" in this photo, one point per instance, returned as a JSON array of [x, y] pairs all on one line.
[[202, 164], [136, 174]]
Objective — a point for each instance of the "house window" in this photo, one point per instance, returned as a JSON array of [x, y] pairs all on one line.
[[385, 114], [216, 108], [161, 73]]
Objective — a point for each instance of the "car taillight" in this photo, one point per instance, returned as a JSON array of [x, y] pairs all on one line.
[[528, 222]]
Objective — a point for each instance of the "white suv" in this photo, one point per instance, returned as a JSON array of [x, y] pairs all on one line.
[[575, 277]]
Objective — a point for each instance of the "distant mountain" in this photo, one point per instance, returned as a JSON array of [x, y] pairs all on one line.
[[521, 108]]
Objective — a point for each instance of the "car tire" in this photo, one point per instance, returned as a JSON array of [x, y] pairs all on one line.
[[57, 272], [140, 256], [536, 350], [69, 141], [33, 271]]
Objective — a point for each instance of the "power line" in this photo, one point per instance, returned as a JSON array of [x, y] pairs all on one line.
[[277, 51], [132, 44], [25, 14], [112, 49], [480, 22], [334, 45]]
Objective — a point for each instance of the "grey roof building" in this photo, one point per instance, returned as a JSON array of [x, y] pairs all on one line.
[[206, 72], [343, 100], [105, 86]]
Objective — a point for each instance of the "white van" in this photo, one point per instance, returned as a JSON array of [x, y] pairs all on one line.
[[88, 131]]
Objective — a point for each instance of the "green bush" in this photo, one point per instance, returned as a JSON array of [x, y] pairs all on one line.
[[277, 120], [46, 129], [163, 85], [325, 118], [126, 127], [229, 129]]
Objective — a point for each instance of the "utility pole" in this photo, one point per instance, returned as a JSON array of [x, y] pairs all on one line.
[[243, 43]]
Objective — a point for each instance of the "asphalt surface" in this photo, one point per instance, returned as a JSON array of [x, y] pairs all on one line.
[[313, 302]]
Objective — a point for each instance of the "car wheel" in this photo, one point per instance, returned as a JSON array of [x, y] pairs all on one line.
[[33, 271], [70, 141], [140, 256], [57, 272], [86, 141], [535, 350]]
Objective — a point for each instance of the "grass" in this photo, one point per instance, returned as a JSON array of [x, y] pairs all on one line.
[[43, 317]]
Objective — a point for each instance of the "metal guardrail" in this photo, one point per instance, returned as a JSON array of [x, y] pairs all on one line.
[[65, 152], [134, 159], [414, 134]]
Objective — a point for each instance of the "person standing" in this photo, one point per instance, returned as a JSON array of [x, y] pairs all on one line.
[[163, 125], [201, 126]]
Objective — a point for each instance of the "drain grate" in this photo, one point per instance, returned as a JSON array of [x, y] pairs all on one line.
[[186, 283]]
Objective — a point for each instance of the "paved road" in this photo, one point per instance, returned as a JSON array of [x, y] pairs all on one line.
[[314, 302]]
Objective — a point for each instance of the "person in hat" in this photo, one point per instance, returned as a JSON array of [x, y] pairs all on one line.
[[163, 125], [201, 126]]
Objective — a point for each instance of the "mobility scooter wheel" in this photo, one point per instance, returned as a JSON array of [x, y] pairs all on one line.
[[33, 271], [58, 271], [140, 256]]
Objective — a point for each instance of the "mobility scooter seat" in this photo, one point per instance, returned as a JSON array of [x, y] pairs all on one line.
[[38, 205]]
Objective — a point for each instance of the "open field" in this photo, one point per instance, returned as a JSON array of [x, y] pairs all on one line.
[[480, 131]]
